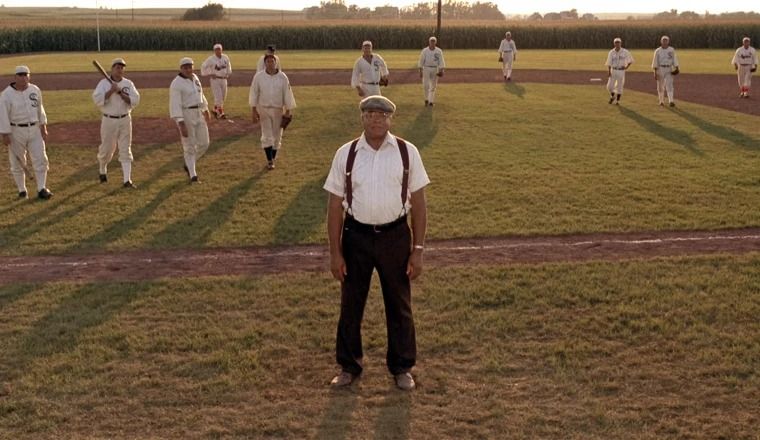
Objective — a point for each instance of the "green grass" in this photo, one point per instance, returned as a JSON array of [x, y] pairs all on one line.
[[528, 163], [692, 61], [659, 349]]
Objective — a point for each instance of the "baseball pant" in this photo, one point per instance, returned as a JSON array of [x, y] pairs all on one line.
[[116, 133], [371, 89], [429, 82], [664, 84], [195, 145], [506, 60], [387, 252], [269, 120], [219, 90], [745, 77], [616, 81], [28, 140]]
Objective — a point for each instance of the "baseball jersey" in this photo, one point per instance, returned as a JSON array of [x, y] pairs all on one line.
[[745, 57], [114, 105], [217, 66], [185, 93], [21, 107], [507, 46], [618, 59], [431, 58], [664, 58], [368, 72], [271, 91], [376, 180], [261, 65]]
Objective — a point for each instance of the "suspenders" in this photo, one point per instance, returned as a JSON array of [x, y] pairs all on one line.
[[404, 180]]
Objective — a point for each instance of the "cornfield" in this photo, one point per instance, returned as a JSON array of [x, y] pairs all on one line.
[[168, 36]]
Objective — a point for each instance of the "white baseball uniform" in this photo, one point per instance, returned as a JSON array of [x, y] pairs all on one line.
[[270, 94], [367, 74], [116, 124], [746, 60], [431, 62], [507, 52], [187, 103], [617, 62], [261, 65], [22, 116], [218, 69], [664, 62]]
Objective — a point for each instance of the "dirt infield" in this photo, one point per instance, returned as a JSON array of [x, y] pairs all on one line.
[[713, 90], [143, 264]]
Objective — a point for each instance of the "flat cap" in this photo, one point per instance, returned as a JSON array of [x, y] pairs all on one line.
[[217, 46], [118, 61], [22, 69], [185, 60], [377, 102]]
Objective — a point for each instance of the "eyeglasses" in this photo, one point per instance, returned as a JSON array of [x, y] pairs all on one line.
[[374, 114]]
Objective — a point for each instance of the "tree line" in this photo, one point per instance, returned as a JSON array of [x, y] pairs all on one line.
[[450, 9]]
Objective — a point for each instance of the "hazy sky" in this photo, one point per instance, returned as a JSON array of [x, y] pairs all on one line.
[[506, 6]]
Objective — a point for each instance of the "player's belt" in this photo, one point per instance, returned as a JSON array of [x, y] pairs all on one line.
[[745, 64], [115, 116], [352, 224], [372, 84], [28, 124], [194, 106], [618, 68], [664, 65], [431, 66]]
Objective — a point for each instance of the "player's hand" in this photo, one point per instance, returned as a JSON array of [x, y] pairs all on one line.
[[414, 267], [6, 139], [44, 132], [360, 92], [338, 267], [207, 115], [182, 129], [255, 116]]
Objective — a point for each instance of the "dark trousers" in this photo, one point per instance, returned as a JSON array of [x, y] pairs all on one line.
[[387, 251]]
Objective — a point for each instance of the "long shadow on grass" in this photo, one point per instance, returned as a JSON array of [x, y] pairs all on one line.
[[61, 329], [336, 421], [423, 129], [673, 135], [303, 215], [195, 230], [393, 420], [515, 89], [9, 294], [729, 134]]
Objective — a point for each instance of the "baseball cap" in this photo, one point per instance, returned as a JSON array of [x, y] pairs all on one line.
[[433, 39], [217, 46], [665, 37], [377, 102], [271, 47], [617, 40], [118, 61], [185, 60], [22, 69], [366, 43]]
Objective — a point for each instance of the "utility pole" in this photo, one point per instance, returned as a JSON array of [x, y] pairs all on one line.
[[438, 26]]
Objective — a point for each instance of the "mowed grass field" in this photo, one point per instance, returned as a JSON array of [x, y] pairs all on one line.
[[648, 350], [644, 349], [716, 61]]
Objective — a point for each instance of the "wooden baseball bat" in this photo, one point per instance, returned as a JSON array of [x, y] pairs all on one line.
[[101, 70]]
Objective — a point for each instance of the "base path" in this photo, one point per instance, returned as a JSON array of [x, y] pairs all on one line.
[[181, 263], [708, 89]]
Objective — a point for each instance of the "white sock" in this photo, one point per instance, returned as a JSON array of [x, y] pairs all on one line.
[[190, 162]]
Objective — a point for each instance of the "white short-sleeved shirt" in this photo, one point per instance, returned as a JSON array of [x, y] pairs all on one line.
[[664, 58], [618, 58], [376, 180], [745, 57]]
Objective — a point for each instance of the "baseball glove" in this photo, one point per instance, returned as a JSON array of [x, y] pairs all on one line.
[[753, 70], [383, 82], [675, 71], [285, 121], [501, 59], [439, 74]]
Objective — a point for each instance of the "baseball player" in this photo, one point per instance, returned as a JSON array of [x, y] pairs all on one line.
[[431, 67], [507, 55], [369, 72], [270, 93], [618, 61], [261, 65], [218, 68], [665, 65], [23, 125], [116, 98], [745, 63], [189, 108]]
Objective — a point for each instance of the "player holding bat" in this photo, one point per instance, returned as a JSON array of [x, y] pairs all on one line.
[[115, 96]]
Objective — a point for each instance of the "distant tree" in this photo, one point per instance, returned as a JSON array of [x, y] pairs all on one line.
[[666, 15], [535, 16], [486, 11], [390, 12], [418, 11], [569, 15], [211, 11], [689, 15], [333, 9], [552, 16], [589, 17], [630, 18]]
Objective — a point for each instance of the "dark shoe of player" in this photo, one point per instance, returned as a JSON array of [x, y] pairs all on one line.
[[44, 194], [103, 178], [129, 184]]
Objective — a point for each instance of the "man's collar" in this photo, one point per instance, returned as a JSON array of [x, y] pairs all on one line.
[[389, 140]]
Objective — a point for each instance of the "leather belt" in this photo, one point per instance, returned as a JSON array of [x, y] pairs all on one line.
[[664, 65], [431, 66], [29, 124], [618, 68], [194, 106], [115, 116], [354, 225], [373, 84]]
